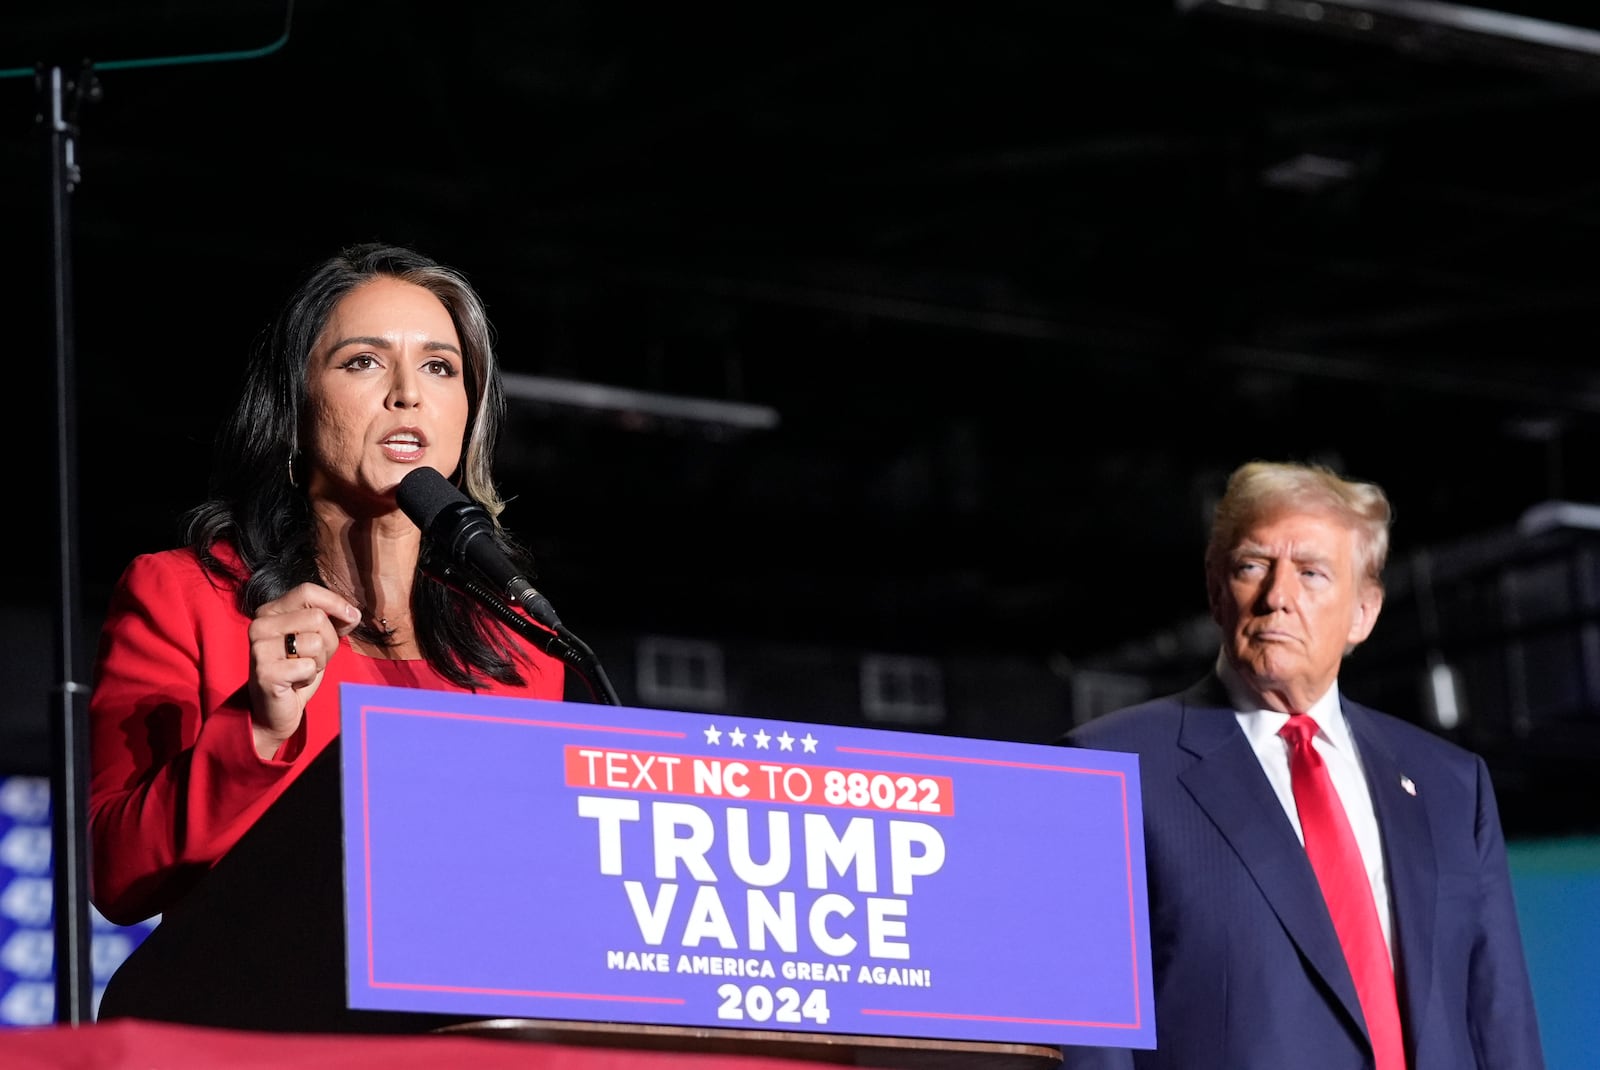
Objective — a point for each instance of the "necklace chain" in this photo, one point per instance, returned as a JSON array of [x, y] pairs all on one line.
[[385, 629]]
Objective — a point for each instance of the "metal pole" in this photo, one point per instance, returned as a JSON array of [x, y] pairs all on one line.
[[61, 96]]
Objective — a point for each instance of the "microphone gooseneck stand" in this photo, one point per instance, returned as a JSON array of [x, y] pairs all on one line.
[[557, 640]]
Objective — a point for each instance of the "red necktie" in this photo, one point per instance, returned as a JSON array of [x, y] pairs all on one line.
[[1343, 876]]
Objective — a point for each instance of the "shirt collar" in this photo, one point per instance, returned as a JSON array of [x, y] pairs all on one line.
[[1261, 724]]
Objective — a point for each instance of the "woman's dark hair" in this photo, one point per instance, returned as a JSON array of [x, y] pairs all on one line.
[[259, 507]]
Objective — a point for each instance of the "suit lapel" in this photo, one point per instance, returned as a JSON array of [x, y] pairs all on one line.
[[1402, 819], [1228, 784]]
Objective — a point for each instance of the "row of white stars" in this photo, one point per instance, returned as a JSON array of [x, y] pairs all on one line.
[[737, 736]]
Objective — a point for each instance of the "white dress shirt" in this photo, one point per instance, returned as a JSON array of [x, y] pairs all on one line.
[[1338, 749]]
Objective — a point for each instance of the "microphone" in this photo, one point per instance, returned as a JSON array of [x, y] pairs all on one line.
[[463, 532]]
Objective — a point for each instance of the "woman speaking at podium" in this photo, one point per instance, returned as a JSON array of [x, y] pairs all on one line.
[[217, 677]]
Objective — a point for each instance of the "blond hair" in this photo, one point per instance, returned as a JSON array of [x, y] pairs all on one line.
[[1260, 490]]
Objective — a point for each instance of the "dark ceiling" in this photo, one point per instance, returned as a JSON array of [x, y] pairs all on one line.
[[1022, 280]]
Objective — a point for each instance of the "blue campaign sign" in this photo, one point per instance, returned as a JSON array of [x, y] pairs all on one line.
[[530, 859]]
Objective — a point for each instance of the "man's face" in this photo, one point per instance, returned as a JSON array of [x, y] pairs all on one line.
[[1290, 602]]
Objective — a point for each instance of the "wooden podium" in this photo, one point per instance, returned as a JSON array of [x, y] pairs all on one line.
[[888, 1052]]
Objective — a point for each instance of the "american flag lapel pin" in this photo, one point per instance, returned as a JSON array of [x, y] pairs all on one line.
[[1410, 788]]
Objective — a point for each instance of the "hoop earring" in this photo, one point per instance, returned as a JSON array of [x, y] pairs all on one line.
[[292, 482]]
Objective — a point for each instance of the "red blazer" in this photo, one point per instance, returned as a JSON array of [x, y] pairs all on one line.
[[174, 776]]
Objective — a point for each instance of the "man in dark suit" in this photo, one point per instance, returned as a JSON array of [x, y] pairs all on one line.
[[1271, 949]]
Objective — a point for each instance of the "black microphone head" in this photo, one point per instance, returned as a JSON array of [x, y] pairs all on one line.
[[423, 494], [462, 531]]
